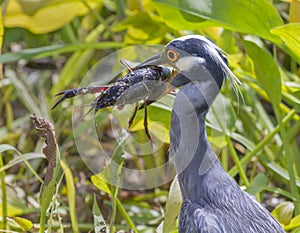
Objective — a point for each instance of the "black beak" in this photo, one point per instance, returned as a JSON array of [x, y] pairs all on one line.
[[157, 59]]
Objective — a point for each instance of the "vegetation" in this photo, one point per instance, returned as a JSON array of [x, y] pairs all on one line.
[[49, 46]]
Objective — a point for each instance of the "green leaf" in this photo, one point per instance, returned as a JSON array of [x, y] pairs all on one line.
[[100, 181], [295, 11], [45, 16], [24, 94], [99, 222], [143, 28], [222, 112], [169, 15], [21, 158], [281, 172], [172, 207], [290, 35], [24, 223], [266, 71], [284, 212], [71, 195], [46, 51], [295, 222], [224, 13], [257, 184], [5, 147]]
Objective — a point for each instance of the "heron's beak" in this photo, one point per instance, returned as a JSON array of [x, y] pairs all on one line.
[[160, 59], [157, 59]]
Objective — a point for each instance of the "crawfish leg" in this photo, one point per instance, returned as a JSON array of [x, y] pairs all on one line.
[[146, 120], [124, 63], [133, 115], [80, 91]]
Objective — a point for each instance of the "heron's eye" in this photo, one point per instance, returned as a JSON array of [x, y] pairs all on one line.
[[172, 55]]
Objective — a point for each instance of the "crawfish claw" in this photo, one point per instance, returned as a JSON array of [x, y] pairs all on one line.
[[66, 94]]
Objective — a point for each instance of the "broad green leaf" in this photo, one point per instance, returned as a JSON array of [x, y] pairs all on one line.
[[175, 19], [290, 35], [295, 222], [143, 28], [158, 118], [48, 189], [160, 131], [100, 181], [295, 11], [45, 16], [284, 212], [71, 195], [257, 184], [266, 71], [12, 210], [24, 223], [225, 13], [172, 207]]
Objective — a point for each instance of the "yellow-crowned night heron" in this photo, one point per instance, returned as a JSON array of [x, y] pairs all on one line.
[[212, 200]]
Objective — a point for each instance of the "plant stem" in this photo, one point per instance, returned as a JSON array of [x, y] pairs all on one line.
[[262, 143], [4, 198], [232, 150], [289, 160]]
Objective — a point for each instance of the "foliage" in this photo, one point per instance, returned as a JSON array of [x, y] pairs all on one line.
[[49, 46]]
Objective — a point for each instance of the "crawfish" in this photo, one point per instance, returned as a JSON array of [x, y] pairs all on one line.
[[146, 83]]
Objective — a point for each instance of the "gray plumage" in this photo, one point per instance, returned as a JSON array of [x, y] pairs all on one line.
[[212, 200]]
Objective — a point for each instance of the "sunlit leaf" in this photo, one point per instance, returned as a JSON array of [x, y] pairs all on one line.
[[45, 16], [71, 195], [295, 11], [257, 184], [100, 181], [24, 223], [143, 28], [175, 19], [223, 13], [295, 222], [290, 34], [284, 212], [12, 210], [266, 71], [172, 207]]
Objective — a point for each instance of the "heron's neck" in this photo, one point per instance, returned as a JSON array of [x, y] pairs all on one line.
[[190, 149]]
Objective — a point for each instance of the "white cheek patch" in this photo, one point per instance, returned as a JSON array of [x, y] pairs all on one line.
[[186, 63]]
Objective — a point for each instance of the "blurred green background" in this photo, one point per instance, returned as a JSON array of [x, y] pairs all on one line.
[[49, 45]]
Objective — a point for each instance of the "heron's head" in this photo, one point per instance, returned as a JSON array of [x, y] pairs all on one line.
[[195, 57]]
